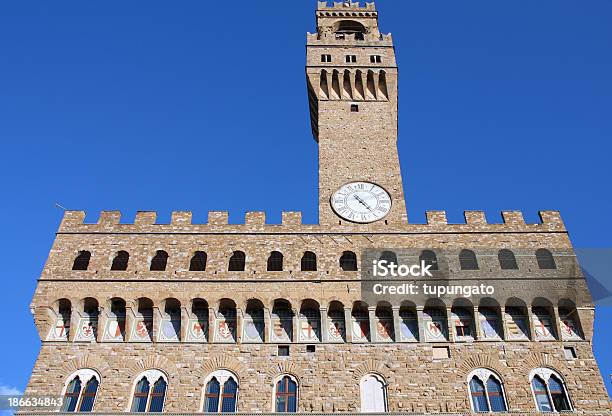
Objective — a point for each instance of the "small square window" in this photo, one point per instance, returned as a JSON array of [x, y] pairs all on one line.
[[354, 108], [570, 353], [375, 59], [351, 58], [283, 350], [326, 58], [311, 348], [441, 353]]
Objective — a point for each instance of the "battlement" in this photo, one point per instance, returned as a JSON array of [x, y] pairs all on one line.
[[345, 5], [255, 222]]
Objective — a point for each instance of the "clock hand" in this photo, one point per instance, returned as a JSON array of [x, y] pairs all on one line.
[[362, 202]]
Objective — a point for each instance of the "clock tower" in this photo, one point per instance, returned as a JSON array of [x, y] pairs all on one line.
[[352, 90]]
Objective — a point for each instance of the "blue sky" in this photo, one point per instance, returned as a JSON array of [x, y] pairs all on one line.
[[151, 105]]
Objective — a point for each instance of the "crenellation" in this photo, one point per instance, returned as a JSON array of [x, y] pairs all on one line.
[[72, 219], [144, 218], [291, 219], [475, 217], [436, 217], [181, 218], [343, 5], [109, 218], [254, 219], [513, 218], [218, 218], [552, 219], [181, 221]]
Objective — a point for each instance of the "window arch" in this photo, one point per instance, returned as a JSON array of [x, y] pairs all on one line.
[[80, 391], [549, 391], [198, 262], [159, 261], [373, 391], [237, 261], [348, 261], [81, 262], [275, 262], [545, 259], [286, 395], [149, 392], [486, 391], [467, 260], [507, 260], [121, 260], [388, 256], [220, 393], [430, 259], [309, 262]]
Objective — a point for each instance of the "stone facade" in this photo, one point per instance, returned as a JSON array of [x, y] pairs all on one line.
[[76, 310]]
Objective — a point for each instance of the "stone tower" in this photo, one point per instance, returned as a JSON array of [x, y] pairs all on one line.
[[352, 91], [186, 317]]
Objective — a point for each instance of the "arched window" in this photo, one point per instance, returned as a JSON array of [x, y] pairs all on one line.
[[349, 29], [389, 257], [275, 262], [198, 262], [309, 262], [285, 395], [429, 258], [507, 260], [549, 391], [486, 391], [545, 259], [147, 398], [236, 262], [348, 261], [373, 394], [221, 393], [159, 261], [541, 395], [81, 262], [467, 260], [80, 392], [479, 398], [120, 262]]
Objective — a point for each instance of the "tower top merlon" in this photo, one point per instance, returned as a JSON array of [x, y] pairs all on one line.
[[345, 5], [348, 21]]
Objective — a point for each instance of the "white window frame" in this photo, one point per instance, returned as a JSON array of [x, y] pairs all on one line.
[[483, 374], [545, 374], [384, 385], [222, 376], [152, 376], [85, 375], [297, 391]]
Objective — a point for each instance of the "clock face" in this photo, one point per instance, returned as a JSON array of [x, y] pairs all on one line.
[[361, 202]]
